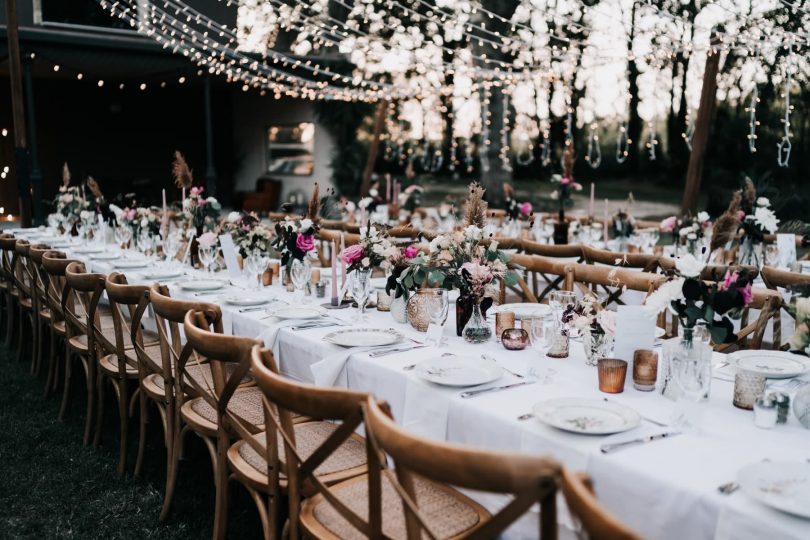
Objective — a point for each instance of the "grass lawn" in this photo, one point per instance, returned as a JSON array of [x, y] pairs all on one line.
[[53, 487]]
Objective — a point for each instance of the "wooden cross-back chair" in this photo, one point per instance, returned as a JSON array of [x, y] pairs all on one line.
[[405, 232], [238, 409], [42, 312], [613, 282], [120, 366], [326, 237], [80, 299], [640, 261], [26, 307], [583, 505], [10, 291], [173, 389], [415, 499], [54, 264], [752, 333], [294, 455], [540, 276], [775, 279]]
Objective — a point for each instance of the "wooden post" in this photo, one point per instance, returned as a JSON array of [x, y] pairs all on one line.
[[379, 122], [21, 160], [702, 128]]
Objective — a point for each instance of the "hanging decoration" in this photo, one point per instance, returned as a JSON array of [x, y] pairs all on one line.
[[784, 146], [594, 155], [506, 161]]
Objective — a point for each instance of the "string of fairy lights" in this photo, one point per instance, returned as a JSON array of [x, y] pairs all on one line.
[[407, 51]]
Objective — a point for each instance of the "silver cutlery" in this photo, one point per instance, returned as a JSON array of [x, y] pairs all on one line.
[[409, 367], [506, 369], [728, 488], [324, 324], [526, 416], [255, 308], [647, 418], [473, 393], [386, 352], [608, 448]]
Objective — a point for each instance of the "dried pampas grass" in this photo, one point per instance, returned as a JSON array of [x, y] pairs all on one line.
[[726, 226], [65, 175], [475, 207], [508, 191], [94, 188], [749, 194], [183, 176], [314, 208]]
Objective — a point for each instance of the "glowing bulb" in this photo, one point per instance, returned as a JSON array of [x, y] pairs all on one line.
[[100, 84], [56, 67]]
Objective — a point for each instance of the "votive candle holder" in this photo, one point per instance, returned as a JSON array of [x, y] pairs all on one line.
[[612, 373]]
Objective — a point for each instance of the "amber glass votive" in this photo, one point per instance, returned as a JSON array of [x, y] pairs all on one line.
[[504, 320], [315, 277], [611, 375], [645, 370], [515, 339], [384, 301], [275, 267]]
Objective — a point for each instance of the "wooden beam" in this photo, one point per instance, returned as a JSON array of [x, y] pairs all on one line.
[[703, 125], [18, 114], [374, 148]]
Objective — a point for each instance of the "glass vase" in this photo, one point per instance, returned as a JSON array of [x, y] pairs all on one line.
[[398, 305], [464, 309], [417, 311], [597, 345], [477, 330], [750, 253], [688, 346]]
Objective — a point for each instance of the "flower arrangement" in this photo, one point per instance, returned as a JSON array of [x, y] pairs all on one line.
[[751, 214], [207, 240], [69, 201], [588, 315], [514, 209], [140, 219], [692, 300], [249, 235], [411, 197], [566, 181], [202, 211], [689, 230], [800, 341], [623, 224], [401, 280], [374, 250], [295, 238]]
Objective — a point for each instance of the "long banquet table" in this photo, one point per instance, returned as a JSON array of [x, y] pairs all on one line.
[[665, 490]]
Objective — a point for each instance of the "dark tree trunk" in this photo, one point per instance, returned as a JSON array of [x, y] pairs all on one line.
[[634, 120]]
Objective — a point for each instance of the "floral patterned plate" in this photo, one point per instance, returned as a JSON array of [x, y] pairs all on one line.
[[364, 337], [586, 416], [783, 485], [460, 371], [770, 364]]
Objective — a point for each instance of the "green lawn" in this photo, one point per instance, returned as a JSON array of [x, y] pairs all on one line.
[[52, 487]]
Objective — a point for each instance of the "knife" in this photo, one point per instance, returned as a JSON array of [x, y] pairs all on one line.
[[607, 448], [471, 393], [386, 352]]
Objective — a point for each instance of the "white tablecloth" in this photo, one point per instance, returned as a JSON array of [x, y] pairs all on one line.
[[664, 490]]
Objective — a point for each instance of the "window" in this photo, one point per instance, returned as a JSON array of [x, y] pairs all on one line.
[[290, 149]]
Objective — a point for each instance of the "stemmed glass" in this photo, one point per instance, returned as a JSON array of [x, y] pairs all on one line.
[[300, 272], [542, 333], [171, 243], [255, 264], [123, 235], [208, 255], [361, 290], [438, 306], [145, 243], [693, 375]]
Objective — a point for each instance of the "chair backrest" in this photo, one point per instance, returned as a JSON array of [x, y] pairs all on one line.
[[613, 282], [20, 268], [642, 261], [282, 397], [40, 285], [131, 299], [541, 275], [54, 263], [565, 251], [405, 231], [582, 503], [80, 301], [775, 279], [326, 235], [529, 479], [751, 334]]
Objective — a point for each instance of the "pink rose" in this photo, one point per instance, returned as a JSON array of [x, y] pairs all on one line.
[[207, 240], [196, 191], [740, 215], [525, 209], [576, 186], [478, 273], [305, 242], [668, 225], [729, 280], [352, 254], [566, 180], [410, 252], [747, 293]]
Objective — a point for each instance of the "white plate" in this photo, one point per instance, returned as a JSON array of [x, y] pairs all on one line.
[[245, 301], [86, 250], [364, 337], [525, 310], [130, 264], [299, 312], [106, 256], [458, 370], [162, 274], [202, 285], [783, 485], [771, 364], [587, 416]]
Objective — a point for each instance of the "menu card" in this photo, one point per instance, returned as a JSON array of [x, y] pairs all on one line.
[[786, 245], [634, 330], [229, 254]]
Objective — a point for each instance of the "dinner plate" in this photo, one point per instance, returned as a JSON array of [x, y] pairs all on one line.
[[586, 416], [783, 485], [87, 250], [163, 274], [770, 364], [364, 337], [106, 256], [299, 312], [202, 285], [130, 264], [458, 370], [525, 310], [246, 301]]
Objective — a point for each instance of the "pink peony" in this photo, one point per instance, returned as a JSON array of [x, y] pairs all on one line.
[[479, 273], [352, 254], [207, 240], [740, 215], [196, 191], [566, 180], [729, 280], [410, 252], [305, 242], [525, 208], [747, 293], [668, 225]]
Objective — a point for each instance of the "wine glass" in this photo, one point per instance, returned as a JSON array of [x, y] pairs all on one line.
[[123, 234], [207, 255], [438, 306], [693, 375], [145, 243], [255, 264], [300, 272], [361, 290], [171, 243]]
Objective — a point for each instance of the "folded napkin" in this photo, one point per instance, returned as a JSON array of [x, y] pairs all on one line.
[[327, 371]]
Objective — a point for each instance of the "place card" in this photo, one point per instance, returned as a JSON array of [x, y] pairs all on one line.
[[786, 245], [229, 254], [634, 330]]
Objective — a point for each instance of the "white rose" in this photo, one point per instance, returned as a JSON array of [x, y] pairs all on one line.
[[691, 236], [378, 249], [689, 266], [703, 217], [233, 217], [212, 200], [373, 192], [663, 297], [306, 224], [763, 201], [473, 232], [116, 210], [144, 222]]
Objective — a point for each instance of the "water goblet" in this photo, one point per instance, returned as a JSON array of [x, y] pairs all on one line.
[[361, 290], [300, 272], [207, 255], [693, 377], [438, 306]]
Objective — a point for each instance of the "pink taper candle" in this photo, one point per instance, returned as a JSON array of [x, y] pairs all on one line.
[[334, 274], [183, 197], [342, 262], [605, 224], [591, 204], [164, 200], [387, 188]]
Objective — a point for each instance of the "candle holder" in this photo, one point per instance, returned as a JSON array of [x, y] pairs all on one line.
[[320, 289], [612, 373], [747, 388], [384, 301], [515, 339], [645, 370], [504, 320]]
